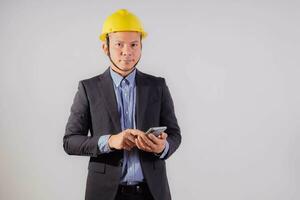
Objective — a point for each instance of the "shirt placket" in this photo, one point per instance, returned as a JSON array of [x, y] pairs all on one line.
[[125, 95]]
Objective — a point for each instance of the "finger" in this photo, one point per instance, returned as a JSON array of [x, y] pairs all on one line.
[[130, 137], [129, 143], [137, 143], [150, 146], [143, 145], [130, 132], [164, 135], [146, 140], [135, 132], [154, 139]]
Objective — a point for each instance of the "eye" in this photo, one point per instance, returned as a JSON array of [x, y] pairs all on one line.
[[118, 44], [134, 45]]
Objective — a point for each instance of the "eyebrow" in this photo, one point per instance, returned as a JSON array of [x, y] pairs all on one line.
[[130, 42]]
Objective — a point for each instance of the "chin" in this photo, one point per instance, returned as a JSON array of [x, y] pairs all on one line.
[[126, 67]]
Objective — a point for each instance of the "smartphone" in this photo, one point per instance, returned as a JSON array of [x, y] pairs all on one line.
[[156, 130]]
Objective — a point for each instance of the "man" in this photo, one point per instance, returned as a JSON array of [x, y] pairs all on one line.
[[117, 107]]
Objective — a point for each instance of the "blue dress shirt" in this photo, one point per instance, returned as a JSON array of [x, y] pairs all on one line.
[[125, 90]]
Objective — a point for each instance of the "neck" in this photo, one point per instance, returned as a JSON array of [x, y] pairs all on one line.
[[121, 72]]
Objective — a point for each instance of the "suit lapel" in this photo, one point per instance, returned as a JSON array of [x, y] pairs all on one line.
[[106, 89], [142, 94], [108, 94]]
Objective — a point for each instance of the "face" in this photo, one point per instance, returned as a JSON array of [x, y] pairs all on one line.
[[125, 50]]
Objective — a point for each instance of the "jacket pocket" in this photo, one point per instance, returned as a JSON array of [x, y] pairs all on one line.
[[97, 167]]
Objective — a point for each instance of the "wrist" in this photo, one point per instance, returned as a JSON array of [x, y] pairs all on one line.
[[161, 150], [110, 143]]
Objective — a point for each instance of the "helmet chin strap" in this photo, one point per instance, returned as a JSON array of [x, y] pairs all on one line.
[[108, 53], [123, 70]]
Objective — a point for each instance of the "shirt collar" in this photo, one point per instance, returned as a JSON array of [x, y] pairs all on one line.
[[117, 78]]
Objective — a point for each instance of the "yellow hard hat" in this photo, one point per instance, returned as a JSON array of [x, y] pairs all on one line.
[[122, 20]]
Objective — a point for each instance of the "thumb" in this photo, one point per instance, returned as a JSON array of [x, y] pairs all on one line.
[[164, 135], [134, 132]]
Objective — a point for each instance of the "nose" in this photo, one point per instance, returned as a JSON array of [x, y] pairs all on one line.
[[126, 51]]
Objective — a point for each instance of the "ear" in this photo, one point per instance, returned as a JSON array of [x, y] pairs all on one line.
[[105, 48], [141, 38]]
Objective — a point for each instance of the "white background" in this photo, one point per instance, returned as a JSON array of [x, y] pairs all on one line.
[[232, 68]]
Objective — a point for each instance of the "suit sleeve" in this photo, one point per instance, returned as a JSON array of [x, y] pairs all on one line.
[[168, 118], [76, 140]]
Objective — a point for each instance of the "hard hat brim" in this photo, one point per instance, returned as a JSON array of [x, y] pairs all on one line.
[[102, 37]]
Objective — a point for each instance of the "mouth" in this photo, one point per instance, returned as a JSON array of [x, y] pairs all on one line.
[[126, 61]]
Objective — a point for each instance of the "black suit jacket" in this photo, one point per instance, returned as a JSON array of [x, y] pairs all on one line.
[[95, 110]]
